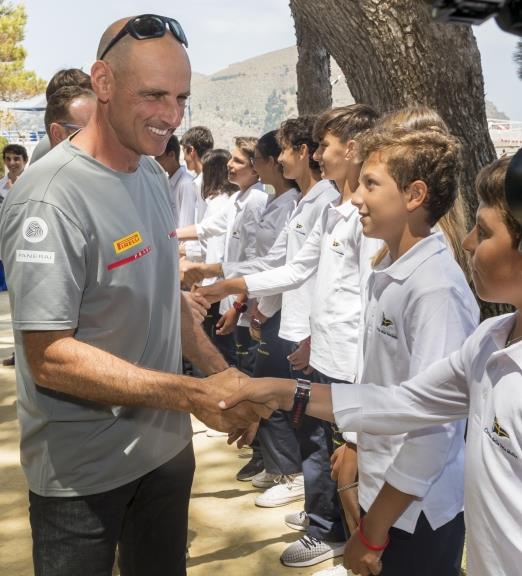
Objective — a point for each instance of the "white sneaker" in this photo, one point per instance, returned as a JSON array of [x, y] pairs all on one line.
[[288, 489], [337, 570], [297, 520], [265, 480], [309, 551]]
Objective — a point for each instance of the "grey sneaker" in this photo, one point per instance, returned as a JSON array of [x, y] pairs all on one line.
[[265, 479], [309, 551], [297, 520], [288, 489], [337, 570]]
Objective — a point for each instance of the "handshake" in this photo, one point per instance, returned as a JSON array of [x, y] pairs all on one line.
[[232, 402]]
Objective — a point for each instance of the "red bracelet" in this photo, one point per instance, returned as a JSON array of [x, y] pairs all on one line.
[[367, 544]]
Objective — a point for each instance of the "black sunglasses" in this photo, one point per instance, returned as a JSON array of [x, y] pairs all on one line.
[[148, 26]]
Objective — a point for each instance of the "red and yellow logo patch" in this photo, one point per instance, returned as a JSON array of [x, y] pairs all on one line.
[[127, 242]]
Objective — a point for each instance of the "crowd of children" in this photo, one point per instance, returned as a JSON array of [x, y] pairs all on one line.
[[355, 274]]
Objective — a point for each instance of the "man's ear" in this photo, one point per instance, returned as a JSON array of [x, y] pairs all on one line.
[[102, 80], [57, 133], [417, 193]]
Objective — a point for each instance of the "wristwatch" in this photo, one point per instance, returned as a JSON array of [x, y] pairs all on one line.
[[301, 398], [240, 307]]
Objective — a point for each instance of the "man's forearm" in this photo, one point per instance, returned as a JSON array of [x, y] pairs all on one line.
[[78, 369], [187, 233], [196, 345]]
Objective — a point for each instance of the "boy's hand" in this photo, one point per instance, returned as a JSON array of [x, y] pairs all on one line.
[[359, 559], [226, 324], [300, 358]]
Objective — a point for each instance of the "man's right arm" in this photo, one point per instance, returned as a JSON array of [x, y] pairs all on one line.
[[60, 362]]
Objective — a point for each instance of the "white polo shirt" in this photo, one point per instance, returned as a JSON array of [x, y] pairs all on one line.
[[420, 308], [483, 381], [296, 306], [216, 244], [238, 221], [339, 253]]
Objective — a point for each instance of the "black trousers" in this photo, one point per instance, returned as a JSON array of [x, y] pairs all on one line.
[[426, 552], [146, 518]]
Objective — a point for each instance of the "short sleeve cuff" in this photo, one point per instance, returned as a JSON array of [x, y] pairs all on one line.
[[407, 484], [346, 406]]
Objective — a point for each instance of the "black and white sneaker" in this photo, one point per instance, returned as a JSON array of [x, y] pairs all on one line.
[[309, 551]]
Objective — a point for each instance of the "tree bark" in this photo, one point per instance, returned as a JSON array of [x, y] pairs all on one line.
[[393, 55], [314, 90]]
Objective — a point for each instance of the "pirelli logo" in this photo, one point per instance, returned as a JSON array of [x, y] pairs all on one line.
[[127, 242]]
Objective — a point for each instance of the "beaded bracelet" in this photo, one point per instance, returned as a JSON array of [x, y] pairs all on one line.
[[347, 487], [367, 544]]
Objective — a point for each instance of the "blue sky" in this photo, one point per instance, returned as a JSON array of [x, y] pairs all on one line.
[[63, 34]]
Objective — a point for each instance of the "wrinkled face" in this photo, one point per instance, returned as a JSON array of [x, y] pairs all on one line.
[[291, 159], [148, 97], [240, 170], [382, 206], [14, 163], [495, 265], [331, 155]]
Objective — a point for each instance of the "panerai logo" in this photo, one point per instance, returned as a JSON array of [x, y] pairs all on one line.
[[387, 327], [496, 432]]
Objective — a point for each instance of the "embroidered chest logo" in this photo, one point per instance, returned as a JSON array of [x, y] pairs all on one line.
[[496, 432], [337, 247], [387, 327], [235, 234], [299, 228], [127, 242]]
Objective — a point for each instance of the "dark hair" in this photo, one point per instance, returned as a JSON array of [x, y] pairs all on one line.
[[430, 155], [345, 122], [58, 106], [17, 149], [200, 138], [173, 146], [491, 189], [268, 146], [215, 174], [298, 131], [67, 77]]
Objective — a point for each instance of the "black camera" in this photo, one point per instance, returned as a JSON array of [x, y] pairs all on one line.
[[508, 13]]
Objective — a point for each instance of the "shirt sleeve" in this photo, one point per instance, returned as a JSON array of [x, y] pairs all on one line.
[[253, 213], [214, 225], [187, 194], [46, 268], [275, 257], [269, 305], [293, 274], [437, 395]]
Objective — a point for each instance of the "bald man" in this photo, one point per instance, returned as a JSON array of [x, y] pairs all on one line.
[[89, 245]]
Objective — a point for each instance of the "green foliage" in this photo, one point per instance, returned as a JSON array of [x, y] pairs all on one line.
[[3, 142], [16, 83], [275, 111]]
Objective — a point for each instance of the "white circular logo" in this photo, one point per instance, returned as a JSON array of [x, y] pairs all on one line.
[[35, 229]]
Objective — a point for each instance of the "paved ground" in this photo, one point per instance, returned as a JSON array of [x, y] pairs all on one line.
[[228, 534]]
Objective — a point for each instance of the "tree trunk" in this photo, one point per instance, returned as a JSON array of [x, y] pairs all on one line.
[[314, 91], [394, 55]]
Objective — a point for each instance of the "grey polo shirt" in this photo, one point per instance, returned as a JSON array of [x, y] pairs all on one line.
[[91, 249]]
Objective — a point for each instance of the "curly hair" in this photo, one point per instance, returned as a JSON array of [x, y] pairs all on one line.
[[431, 155], [295, 132]]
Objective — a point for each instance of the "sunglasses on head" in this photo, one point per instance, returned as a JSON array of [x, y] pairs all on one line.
[[148, 26]]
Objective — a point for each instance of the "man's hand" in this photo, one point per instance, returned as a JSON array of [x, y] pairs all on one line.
[[192, 272], [238, 419], [300, 358], [359, 559], [226, 324], [198, 305]]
